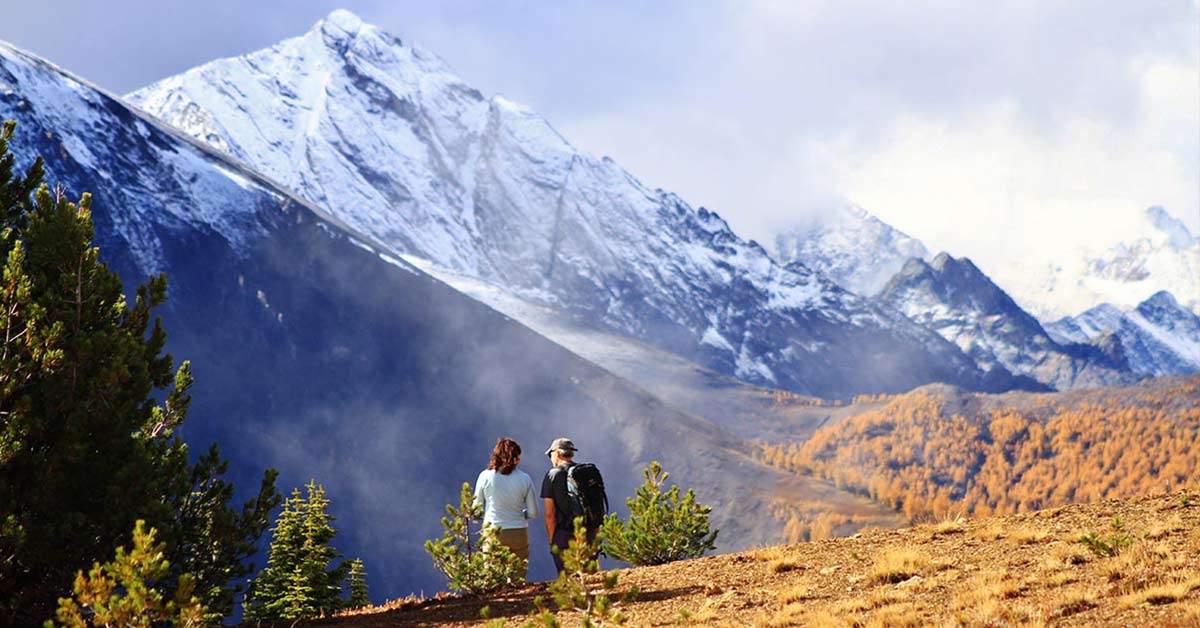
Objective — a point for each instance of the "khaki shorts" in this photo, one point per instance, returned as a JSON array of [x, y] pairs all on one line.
[[517, 540]]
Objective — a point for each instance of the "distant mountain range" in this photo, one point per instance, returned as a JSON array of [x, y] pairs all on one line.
[[1104, 345], [382, 135]]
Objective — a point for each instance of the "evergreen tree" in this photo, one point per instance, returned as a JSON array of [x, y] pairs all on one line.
[[122, 592], [85, 448], [473, 563], [358, 585], [300, 580], [662, 527], [571, 590]]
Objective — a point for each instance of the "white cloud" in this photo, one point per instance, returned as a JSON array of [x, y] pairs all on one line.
[[999, 133]]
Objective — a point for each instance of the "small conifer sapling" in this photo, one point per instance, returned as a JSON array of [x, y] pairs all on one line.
[[473, 563], [662, 526]]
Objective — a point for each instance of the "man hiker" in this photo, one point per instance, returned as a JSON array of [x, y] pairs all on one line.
[[570, 490]]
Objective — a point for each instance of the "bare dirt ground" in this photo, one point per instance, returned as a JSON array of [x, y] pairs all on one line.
[[1018, 570]]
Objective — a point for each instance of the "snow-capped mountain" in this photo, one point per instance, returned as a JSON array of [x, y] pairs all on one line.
[[1159, 336], [385, 137], [851, 246], [1161, 254], [317, 352], [956, 299]]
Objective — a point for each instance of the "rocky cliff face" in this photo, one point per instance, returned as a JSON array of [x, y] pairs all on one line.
[[1159, 337], [953, 297], [381, 134]]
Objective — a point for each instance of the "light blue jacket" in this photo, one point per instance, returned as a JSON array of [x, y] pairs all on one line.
[[508, 500]]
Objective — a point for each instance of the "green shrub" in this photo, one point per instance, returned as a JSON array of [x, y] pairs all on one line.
[[662, 527], [473, 563], [121, 593], [570, 591], [1111, 544]]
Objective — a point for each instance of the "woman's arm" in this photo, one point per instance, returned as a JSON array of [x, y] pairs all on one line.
[[530, 502]]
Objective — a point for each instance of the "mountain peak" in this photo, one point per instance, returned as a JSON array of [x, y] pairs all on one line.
[[1174, 228], [340, 21], [1162, 298], [850, 245]]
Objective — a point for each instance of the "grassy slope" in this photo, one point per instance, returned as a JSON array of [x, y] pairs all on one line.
[[1026, 569]]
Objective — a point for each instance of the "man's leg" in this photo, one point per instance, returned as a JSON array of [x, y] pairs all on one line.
[[591, 539], [561, 540]]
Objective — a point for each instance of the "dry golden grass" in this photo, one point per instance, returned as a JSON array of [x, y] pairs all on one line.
[[824, 619], [906, 616], [778, 559], [790, 615], [1140, 565], [1025, 535], [897, 565], [947, 526], [1068, 555], [992, 531], [1162, 529], [703, 615], [1072, 601], [784, 564], [1060, 578], [1175, 589], [798, 593]]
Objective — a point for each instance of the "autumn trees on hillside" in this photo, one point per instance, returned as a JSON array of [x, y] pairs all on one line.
[[919, 457]]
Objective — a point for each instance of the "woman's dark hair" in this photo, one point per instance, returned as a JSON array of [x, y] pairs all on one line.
[[505, 456]]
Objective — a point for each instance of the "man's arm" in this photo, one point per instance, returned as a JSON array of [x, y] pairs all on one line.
[[549, 503]]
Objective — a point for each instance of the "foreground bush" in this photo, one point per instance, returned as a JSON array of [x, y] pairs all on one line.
[[571, 591], [662, 527], [473, 564], [121, 593]]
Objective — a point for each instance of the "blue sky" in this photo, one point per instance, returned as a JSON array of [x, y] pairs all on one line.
[[1031, 118]]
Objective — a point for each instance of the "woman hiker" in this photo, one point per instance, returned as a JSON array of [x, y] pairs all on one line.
[[507, 496]]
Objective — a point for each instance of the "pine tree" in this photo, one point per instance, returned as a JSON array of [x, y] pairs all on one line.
[[571, 590], [85, 448], [473, 563], [358, 585], [122, 592], [300, 580], [662, 527]]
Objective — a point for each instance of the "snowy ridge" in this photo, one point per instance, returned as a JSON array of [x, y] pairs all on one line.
[[1159, 336], [851, 246], [55, 98], [382, 135], [953, 297]]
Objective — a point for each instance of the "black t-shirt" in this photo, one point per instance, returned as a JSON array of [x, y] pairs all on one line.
[[554, 486]]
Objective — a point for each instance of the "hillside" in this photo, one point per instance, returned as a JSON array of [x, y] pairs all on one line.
[[939, 450], [1027, 569]]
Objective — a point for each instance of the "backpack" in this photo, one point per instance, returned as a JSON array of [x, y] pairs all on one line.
[[585, 491]]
